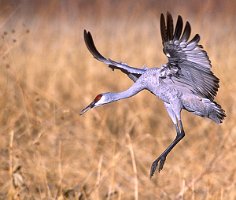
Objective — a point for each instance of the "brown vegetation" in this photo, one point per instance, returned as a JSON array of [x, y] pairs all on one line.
[[48, 151]]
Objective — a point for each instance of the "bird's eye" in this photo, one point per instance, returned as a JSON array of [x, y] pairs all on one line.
[[98, 97]]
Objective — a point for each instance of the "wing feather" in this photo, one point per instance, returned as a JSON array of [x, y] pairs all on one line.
[[195, 39], [163, 29], [192, 62], [133, 73], [178, 28], [186, 33], [170, 27]]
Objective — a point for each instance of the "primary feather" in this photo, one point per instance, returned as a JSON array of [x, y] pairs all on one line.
[[131, 72], [192, 62]]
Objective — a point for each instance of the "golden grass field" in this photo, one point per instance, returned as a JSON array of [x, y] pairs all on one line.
[[47, 75]]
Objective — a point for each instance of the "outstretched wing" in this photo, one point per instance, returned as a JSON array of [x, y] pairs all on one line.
[[133, 73], [188, 63]]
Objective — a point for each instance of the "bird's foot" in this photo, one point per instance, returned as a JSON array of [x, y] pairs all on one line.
[[161, 161]]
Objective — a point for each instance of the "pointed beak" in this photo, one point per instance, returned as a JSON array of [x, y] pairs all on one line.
[[91, 105]]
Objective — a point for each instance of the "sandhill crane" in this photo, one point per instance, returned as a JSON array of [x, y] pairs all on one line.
[[184, 82]]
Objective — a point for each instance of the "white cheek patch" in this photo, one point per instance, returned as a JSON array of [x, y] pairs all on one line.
[[101, 101]]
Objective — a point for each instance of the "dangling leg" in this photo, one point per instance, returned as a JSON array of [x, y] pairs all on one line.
[[180, 134]]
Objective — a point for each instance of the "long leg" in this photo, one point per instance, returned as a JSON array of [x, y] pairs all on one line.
[[180, 134]]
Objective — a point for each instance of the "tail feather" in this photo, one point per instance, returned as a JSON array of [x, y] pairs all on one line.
[[216, 113], [204, 107]]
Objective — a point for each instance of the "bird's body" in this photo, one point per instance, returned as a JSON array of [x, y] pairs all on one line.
[[173, 94], [185, 82]]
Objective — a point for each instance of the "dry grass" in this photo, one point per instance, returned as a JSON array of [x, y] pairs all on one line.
[[48, 151]]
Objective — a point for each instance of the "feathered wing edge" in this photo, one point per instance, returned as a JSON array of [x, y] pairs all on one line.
[[189, 56], [133, 73], [92, 48]]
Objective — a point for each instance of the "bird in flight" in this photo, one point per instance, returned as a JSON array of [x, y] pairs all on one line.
[[184, 82]]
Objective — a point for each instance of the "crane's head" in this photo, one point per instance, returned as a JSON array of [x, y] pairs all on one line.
[[99, 100]]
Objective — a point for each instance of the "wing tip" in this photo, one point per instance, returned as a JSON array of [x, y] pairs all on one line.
[[168, 14], [170, 27], [86, 32], [195, 39], [177, 34], [87, 36], [166, 26], [186, 33], [188, 24], [91, 46], [163, 28]]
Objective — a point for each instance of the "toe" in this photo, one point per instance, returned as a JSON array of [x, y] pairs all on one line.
[[153, 168], [162, 162]]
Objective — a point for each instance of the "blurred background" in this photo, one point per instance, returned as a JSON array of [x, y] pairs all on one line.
[[47, 75]]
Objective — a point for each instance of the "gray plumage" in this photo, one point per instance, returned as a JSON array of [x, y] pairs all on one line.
[[185, 82]]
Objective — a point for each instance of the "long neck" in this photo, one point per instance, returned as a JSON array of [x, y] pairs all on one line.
[[134, 89]]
